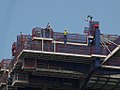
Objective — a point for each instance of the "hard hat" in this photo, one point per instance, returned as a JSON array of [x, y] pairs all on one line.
[[65, 29], [86, 19]]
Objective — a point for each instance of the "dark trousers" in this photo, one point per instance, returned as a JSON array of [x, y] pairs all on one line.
[[65, 39], [47, 33]]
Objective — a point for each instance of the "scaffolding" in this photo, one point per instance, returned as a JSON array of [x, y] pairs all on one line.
[[3, 78], [88, 61], [21, 78]]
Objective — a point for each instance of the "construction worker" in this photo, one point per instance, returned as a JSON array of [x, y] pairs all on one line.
[[50, 30], [47, 31], [89, 17], [65, 36], [42, 32]]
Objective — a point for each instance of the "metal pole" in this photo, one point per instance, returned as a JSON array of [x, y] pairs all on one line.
[[54, 46], [17, 76], [42, 44]]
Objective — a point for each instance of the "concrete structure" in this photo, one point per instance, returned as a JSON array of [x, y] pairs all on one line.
[[88, 61]]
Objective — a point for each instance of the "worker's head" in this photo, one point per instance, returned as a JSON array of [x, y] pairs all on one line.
[[65, 29], [48, 25], [20, 33]]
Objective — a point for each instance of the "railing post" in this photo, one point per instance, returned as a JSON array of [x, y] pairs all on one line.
[[14, 77], [35, 63], [17, 76], [42, 44], [54, 46]]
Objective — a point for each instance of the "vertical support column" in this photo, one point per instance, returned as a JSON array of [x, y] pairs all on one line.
[[97, 47], [97, 42], [96, 63], [97, 38], [17, 76], [35, 63], [23, 66], [42, 44], [54, 46]]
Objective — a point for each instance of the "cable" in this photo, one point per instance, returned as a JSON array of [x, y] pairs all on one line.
[[107, 41], [102, 44], [110, 41], [105, 45]]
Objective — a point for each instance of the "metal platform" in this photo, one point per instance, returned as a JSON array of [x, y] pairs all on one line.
[[57, 56], [58, 73], [19, 83]]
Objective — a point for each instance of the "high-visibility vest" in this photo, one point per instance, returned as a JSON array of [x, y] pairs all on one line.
[[65, 32]]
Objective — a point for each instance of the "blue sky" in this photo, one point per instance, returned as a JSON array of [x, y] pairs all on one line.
[[22, 15]]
